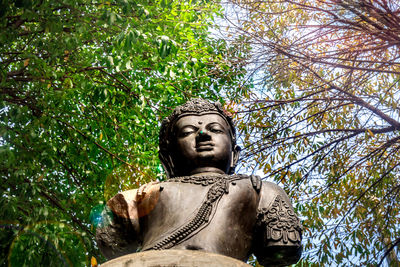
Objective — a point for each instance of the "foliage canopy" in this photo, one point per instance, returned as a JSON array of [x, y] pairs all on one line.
[[85, 83], [323, 118], [83, 86]]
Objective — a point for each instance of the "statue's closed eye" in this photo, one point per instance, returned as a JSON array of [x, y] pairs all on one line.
[[187, 131], [216, 128]]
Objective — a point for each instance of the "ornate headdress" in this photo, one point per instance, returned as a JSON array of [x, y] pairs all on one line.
[[196, 106]]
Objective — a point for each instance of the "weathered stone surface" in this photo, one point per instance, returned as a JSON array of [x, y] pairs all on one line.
[[203, 205], [174, 258]]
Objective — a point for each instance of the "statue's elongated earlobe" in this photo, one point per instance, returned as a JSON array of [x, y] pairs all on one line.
[[235, 158], [171, 167], [168, 164]]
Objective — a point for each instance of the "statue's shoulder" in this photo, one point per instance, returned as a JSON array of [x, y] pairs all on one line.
[[267, 190], [270, 193], [272, 187], [255, 180]]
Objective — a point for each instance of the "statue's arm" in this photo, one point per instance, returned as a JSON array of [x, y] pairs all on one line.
[[277, 236], [118, 232]]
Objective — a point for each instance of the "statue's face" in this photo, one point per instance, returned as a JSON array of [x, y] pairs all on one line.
[[203, 142]]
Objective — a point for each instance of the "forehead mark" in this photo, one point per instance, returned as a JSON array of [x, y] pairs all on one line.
[[194, 119]]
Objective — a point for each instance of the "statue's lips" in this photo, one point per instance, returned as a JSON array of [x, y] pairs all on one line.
[[206, 146]]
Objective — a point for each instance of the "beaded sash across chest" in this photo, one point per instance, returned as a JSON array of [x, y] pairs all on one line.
[[203, 216]]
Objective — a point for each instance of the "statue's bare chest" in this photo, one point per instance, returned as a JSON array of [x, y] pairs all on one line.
[[211, 215]]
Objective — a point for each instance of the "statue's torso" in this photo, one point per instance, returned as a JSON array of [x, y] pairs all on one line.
[[230, 225]]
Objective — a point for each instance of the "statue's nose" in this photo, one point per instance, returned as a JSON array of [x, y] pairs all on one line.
[[203, 134]]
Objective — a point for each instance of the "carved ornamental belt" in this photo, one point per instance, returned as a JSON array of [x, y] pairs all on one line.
[[219, 187]]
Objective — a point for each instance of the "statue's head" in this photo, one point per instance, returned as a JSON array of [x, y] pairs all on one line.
[[199, 136]]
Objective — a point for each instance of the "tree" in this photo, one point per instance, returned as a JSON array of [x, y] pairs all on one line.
[[83, 87], [323, 118]]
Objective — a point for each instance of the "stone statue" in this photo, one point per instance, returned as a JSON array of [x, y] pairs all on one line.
[[203, 205]]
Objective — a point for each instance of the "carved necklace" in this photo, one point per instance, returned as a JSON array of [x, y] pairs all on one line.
[[219, 187]]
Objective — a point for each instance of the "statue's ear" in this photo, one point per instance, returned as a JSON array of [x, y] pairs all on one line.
[[235, 158]]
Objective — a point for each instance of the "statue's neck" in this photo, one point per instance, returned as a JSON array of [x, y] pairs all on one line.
[[206, 171]]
